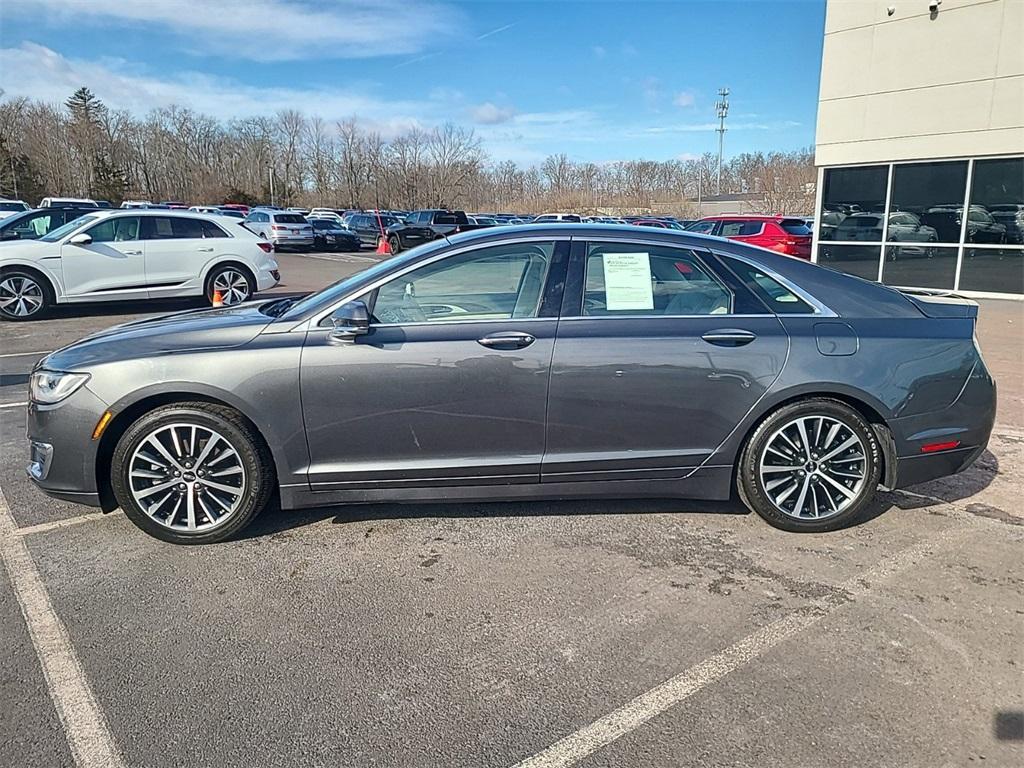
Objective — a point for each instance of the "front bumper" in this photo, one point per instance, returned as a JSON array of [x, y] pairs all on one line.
[[62, 453]]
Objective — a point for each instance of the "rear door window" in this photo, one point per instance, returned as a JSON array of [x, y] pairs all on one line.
[[212, 230], [625, 279], [741, 228], [187, 228]]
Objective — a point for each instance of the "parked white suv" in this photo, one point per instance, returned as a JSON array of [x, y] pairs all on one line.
[[283, 229], [131, 255]]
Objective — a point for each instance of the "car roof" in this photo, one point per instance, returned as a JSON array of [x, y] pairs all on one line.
[[750, 217]]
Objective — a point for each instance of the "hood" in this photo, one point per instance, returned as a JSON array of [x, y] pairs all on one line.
[[179, 332]]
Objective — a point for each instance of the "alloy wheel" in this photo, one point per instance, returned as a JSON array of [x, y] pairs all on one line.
[[187, 477], [233, 286], [814, 467], [20, 296]]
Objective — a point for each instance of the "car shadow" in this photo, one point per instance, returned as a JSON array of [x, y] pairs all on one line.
[[935, 493], [275, 520]]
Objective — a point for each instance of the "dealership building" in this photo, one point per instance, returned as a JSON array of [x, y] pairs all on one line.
[[920, 144]]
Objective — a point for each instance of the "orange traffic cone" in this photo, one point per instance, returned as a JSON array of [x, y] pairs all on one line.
[[383, 248], [218, 299]]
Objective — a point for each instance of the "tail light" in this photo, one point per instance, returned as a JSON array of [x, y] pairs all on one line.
[[265, 247], [277, 227], [935, 447]]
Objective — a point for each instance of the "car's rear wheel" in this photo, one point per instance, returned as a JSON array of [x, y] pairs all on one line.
[[813, 465], [191, 473], [23, 295], [234, 285]]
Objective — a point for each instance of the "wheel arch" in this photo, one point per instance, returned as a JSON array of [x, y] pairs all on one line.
[[50, 281], [869, 408], [229, 261], [127, 413]]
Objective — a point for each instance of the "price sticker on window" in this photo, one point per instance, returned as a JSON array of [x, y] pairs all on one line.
[[627, 281]]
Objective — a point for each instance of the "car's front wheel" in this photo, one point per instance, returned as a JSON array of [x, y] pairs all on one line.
[[192, 473], [813, 465], [23, 295], [395, 243]]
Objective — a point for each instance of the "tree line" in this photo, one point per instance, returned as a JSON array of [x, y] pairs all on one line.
[[82, 148]]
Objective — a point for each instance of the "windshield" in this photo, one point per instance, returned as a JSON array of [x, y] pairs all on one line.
[[71, 226], [337, 290], [12, 207]]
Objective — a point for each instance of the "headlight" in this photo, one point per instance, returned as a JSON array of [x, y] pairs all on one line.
[[48, 387]]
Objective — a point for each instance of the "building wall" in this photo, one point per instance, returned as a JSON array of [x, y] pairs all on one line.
[[916, 84]]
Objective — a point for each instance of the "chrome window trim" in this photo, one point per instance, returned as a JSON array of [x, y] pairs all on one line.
[[314, 322]]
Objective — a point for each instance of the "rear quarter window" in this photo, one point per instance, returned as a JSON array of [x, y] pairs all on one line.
[[795, 227], [777, 297]]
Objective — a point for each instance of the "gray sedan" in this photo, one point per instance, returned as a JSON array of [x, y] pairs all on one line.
[[536, 362]]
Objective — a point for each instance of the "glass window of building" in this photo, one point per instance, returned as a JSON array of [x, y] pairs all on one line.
[[934, 193], [852, 192]]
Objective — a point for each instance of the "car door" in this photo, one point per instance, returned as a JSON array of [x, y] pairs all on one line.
[[657, 358], [449, 386], [33, 225], [112, 266], [177, 250]]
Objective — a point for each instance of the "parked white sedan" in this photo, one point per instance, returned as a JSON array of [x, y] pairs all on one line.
[[130, 255]]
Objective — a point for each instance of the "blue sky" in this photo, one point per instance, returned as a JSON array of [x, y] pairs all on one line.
[[599, 81]]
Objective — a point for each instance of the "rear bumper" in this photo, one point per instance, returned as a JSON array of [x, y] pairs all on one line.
[[968, 421], [286, 241]]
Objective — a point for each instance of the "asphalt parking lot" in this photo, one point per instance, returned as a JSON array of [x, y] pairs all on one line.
[[600, 633]]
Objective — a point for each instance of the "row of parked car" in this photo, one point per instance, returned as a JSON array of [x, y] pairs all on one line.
[[997, 225]]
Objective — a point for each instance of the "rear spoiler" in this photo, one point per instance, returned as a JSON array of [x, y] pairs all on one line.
[[941, 303]]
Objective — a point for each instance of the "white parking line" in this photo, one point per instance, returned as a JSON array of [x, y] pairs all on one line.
[[26, 354], [85, 727], [661, 698], [53, 525], [340, 257], [13, 405]]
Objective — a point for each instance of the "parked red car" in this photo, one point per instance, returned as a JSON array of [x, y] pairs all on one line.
[[785, 234]]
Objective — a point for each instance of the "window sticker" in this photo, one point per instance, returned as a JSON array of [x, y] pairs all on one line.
[[627, 281]]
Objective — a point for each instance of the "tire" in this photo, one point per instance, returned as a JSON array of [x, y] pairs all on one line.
[[395, 244], [24, 295], [235, 283], [138, 465], [774, 493]]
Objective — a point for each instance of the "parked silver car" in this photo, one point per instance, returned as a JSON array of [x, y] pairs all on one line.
[[284, 229]]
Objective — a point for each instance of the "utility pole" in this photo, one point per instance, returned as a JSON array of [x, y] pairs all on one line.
[[722, 108], [272, 185]]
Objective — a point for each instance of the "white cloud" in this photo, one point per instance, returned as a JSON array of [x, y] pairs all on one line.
[[684, 99], [263, 30], [485, 35], [491, 114], [40, 73], [599, 51]]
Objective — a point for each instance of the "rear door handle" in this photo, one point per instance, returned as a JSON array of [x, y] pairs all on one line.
[[729, 337], [133, 253], [206, 250], [507, 340]]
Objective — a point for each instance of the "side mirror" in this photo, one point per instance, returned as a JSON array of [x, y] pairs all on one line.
[[350, 320], [80, 239]]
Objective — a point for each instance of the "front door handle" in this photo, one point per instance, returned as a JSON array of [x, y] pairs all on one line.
[[507, 340], [133, 253], [729, 337]]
